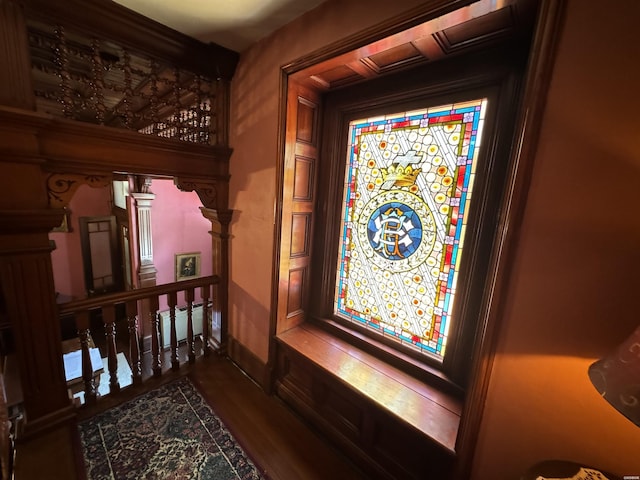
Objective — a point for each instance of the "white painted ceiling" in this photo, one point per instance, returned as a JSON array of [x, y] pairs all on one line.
[[234, 24]]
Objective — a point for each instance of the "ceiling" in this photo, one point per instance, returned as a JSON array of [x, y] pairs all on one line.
[[233, 24]]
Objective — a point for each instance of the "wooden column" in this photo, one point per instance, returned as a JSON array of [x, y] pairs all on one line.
[[26, 274], [220, 257], [220, 123], [26, 280], [146, 269], [15, 75]]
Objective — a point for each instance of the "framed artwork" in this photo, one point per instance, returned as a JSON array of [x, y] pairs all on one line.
[[187, 266]]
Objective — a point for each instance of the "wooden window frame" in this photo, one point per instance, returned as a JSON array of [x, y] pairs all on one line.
[[298, 79], [495, 74]]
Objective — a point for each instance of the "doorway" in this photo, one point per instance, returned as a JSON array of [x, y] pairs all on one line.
[[101, 255]]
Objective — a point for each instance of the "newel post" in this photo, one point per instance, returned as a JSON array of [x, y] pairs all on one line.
[[214, 195], [28, 298]]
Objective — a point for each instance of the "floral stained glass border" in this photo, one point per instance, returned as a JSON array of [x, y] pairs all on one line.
[[408, 187]]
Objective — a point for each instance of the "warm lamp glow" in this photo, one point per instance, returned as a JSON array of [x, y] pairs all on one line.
[[617, 377]]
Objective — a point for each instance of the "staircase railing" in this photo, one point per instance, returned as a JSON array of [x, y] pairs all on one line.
[[81, 311]]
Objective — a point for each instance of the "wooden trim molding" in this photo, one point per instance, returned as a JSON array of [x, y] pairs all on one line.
[[30, 221], [248, 362], [113, 21], [416, 16], [77, 147], [61, 187], [277, 230]]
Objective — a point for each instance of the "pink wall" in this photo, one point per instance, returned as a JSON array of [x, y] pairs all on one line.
[[67, 257], [176, 223], [177, 226], [573, 291]]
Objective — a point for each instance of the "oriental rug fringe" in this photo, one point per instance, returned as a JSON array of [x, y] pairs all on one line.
[[168, 433]]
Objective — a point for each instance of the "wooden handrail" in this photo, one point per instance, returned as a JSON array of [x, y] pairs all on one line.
[[80, 309], [138, 294]]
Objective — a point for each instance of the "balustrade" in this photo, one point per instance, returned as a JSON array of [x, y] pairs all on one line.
[[108, 306]]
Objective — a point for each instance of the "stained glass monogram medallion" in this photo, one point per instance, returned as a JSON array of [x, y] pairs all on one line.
[[408, 186]]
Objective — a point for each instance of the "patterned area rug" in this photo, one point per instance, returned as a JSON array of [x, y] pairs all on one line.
[[169, 433]]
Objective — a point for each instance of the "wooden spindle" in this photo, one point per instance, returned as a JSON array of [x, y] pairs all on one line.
[[128, 89], [154, 98], [81, 311], [173, 300], [204, 293], [62, 63], [109, 316], [90, 390], [156, 361], [177, 107], [134, 342], [197, 127], [97, 81], [188, 293]]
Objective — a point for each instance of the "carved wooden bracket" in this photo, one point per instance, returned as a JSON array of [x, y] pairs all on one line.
[[62, 186], [217, 219], [224, 216], [207, 192]]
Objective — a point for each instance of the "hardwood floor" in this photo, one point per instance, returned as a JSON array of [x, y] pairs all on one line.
[[282, 445]]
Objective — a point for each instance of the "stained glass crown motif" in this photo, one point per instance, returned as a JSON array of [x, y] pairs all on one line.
[[401, 176], [408, 184]]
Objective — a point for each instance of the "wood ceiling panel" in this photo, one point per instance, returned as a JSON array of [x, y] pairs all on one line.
[[487, 28], [396, 57], [481, 23], [339, 75]]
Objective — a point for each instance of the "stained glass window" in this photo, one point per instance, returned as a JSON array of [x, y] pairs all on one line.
[[408, 185]]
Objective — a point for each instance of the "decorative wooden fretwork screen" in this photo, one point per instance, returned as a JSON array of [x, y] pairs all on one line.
[[101, 82]]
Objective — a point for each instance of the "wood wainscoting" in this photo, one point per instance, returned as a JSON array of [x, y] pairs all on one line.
[[390, 424]]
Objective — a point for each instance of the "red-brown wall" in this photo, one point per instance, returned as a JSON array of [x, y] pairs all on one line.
[[574, 281], [572, 293], [254, 130]]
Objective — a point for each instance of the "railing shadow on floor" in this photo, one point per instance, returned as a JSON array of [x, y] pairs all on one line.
[[88, 359]]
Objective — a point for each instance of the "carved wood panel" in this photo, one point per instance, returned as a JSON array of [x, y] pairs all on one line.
[[303, 178], [300, 226], [297, 284], [301, 156], [306, 121]]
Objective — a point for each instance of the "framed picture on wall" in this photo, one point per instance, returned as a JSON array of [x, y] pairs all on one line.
[[187, 266]]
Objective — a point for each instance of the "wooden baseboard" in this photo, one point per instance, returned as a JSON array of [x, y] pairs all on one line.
[[255, 368]]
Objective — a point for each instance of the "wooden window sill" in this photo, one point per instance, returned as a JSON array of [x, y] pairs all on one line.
[[427, 409]]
